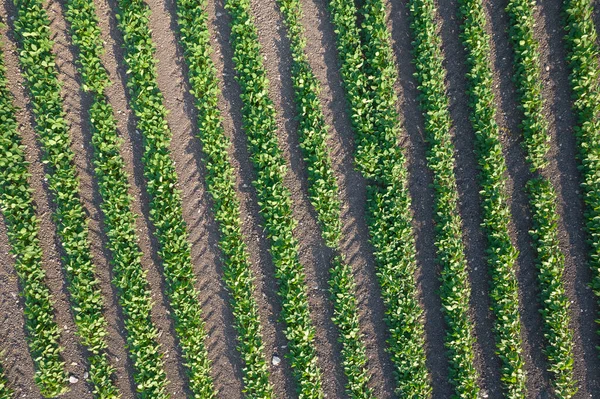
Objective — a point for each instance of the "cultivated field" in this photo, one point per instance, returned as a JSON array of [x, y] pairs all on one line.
[[299, 198]]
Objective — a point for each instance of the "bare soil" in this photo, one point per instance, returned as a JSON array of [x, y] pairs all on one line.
[[314, 255]]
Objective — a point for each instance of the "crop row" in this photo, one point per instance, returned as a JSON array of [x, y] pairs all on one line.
[[220, 179], [274, 199], [501, 253], [550, 259], [455, 288], [583, 59], [39, 68], [16, 202], [165, 199], [129, 275], [368, 73], [323, 193]]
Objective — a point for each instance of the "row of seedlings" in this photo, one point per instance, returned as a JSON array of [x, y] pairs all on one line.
[[259, 123], [455, 288], [166, 212], [23, 229], [119, 219], [220, 180], [39, 69], [583, 60], [543, 199], [323, 193], [369, 75], [501, 253]]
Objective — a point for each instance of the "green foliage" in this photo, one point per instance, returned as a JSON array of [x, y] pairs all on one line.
[[16, 203], [165, 199], [501, 254], [39, 69], [220, 179], [528, 82], [274, 198], [455, 288], [369, 75], [323, 193], [5, 391], [129, 275], [582, 45], [543, 199], [555, 311]]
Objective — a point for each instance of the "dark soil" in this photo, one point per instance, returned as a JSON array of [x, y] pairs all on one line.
[[314, 255]]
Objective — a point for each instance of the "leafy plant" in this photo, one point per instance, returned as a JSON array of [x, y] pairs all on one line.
[[368, 73], [501, 253], [455, 288], [165, 199], [220, 179], [23, 229], [39, 69], [5, 391], [274, 198], [129, 275], [559, 348]]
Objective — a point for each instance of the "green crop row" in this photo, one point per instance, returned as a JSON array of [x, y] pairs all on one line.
[[39, 69], [550, 258], [555, 311], [16, 202], [5, 391], [274, 198], [369, 74], [165, 199], [220, 179], [323, 193], [501, 253], [455, 288], [583, 53], [129, 275]]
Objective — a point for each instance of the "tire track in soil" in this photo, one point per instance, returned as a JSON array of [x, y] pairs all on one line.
[[509, 117], [73, 353], [566, 178], [323, 56], [131, 151], [422, 194]]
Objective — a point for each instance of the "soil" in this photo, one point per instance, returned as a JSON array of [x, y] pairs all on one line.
[[314, 255]]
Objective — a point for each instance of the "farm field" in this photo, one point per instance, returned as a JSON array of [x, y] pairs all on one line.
[[299, 198]]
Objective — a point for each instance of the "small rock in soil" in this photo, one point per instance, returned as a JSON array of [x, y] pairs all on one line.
[[276, 360], [73, 379]]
